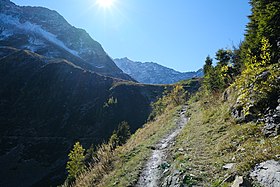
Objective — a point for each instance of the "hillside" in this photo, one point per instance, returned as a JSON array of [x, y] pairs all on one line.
[[153, 73], [47, 104], [123, 166], [212, 148]]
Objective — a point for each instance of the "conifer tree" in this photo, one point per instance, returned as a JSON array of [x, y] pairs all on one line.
[[120, 136], [75, 165], [208, 65], [123, 132], [264, 23]]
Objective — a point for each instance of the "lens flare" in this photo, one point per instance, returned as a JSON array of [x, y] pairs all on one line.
[[105, 3]]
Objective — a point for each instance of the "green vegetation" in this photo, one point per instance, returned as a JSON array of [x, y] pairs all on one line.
[[121, 167], [75, 166], [119, 162], [111, 101], [264, 23], [217, 78], [120, 136], [170, 98], [258, 86], [212, 139], [247, 79]]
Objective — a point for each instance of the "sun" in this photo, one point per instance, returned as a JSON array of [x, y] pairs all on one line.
[[105, 3]]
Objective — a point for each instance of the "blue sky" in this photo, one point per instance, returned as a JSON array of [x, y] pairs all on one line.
[[175, 33]]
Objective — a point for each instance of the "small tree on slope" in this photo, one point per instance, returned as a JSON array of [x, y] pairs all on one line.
[[75, 165]]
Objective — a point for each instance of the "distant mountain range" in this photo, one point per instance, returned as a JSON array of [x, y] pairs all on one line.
[[153, 73]]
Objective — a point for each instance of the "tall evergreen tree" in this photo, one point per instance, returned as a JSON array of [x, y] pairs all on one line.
[[223, 57], [208, 65], [264, 23]]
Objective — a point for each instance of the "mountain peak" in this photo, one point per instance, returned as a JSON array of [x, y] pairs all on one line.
[[153, 73], [50, 35]]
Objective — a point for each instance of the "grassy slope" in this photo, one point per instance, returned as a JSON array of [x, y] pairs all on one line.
[[122, 166], [212, 138], [130, 158]]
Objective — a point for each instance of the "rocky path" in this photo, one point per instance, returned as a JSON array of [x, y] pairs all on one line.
[[153, 170]]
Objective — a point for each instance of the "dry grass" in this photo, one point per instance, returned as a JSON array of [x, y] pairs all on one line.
[[122, 166], [212, 138]]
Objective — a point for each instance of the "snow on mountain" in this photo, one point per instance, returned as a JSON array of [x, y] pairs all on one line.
[[28, 27], [153, 73], [47, 33]]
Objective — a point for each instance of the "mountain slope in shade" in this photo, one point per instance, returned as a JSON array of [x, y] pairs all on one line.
[[153, 73], [47, 33], [48, 104]]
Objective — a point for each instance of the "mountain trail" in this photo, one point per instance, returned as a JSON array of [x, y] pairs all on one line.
[[154, 168]]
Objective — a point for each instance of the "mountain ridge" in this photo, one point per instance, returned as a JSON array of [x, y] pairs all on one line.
[[46, 32], [153, 73]]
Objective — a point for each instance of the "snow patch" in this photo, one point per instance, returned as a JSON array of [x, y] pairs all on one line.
[[30, 27], [100, 67]]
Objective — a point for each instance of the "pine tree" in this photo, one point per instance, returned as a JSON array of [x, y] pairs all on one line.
[[208, 65], [223, 57], [123, 132], [75, 165], [264, 23], [120, 136]]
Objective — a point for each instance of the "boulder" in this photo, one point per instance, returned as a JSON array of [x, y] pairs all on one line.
[[267, 173]]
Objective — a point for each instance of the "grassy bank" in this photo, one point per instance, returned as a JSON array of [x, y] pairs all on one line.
[[128, 160], [212, 139]]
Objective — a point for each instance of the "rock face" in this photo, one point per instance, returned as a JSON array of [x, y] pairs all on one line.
[[153, 73], [267, 173], [258, 100], [47, 33], [47, 104], [272, 122]]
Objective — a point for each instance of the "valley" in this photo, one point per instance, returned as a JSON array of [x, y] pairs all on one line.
[[73, 116]]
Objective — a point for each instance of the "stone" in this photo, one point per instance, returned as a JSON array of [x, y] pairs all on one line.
[[225, 96], [263, 76], [181, 149], [237, 113], [237, 182], [228, 166], [272, 122], [240, 181], [267, 173], [271, 129]]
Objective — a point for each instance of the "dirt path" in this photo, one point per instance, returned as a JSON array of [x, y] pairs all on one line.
[[152, 172]]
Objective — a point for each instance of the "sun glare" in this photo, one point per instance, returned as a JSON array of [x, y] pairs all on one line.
[[105, 3]]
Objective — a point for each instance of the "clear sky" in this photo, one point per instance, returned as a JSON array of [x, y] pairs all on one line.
[[175, 33]]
